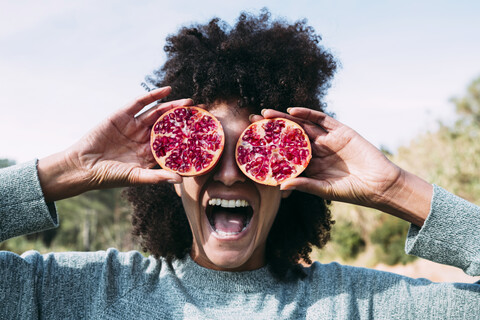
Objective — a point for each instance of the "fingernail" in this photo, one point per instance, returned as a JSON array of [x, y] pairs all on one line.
[[263, 110], [250, 117], [287, 188], [289, 109], [187, 101], [175, 181]]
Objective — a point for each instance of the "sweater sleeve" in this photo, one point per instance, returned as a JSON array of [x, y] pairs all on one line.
[[345, 292], [23, 209], [71, 285], [450, 234]]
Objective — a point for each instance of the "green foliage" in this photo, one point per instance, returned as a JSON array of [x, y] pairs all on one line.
[[389, 238], [450, 156], [468, 106], [347, 240], [92, 221], [6, 163]]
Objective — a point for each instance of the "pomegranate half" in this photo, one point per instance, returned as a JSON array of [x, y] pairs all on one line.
[[271, 151], [187, 140]]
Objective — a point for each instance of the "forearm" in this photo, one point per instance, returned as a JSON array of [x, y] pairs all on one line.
[[23, 208], [409, 198], [450, 234]]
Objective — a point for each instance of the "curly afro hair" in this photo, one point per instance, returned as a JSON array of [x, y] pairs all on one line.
[[260, 63]]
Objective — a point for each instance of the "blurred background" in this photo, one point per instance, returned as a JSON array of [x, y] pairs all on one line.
[[409, 82]]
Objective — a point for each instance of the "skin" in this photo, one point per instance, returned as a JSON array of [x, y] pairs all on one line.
[[245, 251], [116, 153], [345, 167]]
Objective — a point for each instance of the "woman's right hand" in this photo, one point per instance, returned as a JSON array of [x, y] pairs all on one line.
[[116, 153], [346, 167]]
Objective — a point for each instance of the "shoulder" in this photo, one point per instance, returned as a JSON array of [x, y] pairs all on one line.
[[337, 277], [104, 263], [99, 271]]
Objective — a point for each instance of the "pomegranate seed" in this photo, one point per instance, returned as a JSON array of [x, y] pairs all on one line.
[[187, 140], [271, 151]]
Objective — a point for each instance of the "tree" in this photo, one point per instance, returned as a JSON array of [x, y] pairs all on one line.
[[468, 106], [450, 156], [92, 221]]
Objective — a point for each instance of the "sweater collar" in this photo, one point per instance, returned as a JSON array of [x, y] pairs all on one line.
[[195, 275]]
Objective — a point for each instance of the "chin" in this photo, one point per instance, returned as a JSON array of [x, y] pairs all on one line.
[[227, 261], [233, 260]]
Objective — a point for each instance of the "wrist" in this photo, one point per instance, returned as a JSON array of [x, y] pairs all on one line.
[[60, 178], [408, 198]]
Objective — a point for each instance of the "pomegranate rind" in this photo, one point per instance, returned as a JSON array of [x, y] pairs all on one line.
[[187, 140], [271, 151]]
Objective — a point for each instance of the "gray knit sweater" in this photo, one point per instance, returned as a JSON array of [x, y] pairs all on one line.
[[115, 285]]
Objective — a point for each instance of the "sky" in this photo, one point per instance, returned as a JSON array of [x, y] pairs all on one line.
[[66, 65]]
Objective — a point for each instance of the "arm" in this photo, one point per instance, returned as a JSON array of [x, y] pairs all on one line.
[[451, 233], [23, 209], [383, 295], [346, 167], [116, 153]]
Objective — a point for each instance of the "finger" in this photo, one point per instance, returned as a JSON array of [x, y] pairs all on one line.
[[148, 118], [312, 186], [316, 117], [144, 100], [255, 117], [152, 176], [270, 113], [313, 130]]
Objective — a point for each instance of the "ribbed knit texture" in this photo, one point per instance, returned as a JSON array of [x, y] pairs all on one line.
[[22, 207], [113, 285], [450, 235]]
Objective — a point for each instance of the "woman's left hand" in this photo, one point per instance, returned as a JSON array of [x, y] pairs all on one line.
[[346, 167]]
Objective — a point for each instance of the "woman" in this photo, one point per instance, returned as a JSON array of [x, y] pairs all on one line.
[[196, 272]]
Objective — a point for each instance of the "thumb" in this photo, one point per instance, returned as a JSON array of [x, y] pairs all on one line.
[[313, 186], [152, 176]]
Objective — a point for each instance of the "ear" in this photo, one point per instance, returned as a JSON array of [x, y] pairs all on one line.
[[178, 189], [286, 193]]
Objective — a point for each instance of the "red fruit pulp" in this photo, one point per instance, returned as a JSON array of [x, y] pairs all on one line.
[[187, 140], [271, 151]]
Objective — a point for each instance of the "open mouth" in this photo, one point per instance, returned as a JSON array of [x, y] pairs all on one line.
[[229, 217]]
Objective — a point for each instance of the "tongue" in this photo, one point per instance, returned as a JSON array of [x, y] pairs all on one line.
[[228, 222]]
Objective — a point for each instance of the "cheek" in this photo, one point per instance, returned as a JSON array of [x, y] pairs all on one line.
[[271, 198], [190, 188], [188, 192], [191, 192]]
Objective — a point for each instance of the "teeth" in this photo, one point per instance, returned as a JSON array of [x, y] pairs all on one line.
[[228, 203], [223, 233]]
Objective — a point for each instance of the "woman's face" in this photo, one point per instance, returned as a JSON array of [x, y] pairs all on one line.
[[229, 214]]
